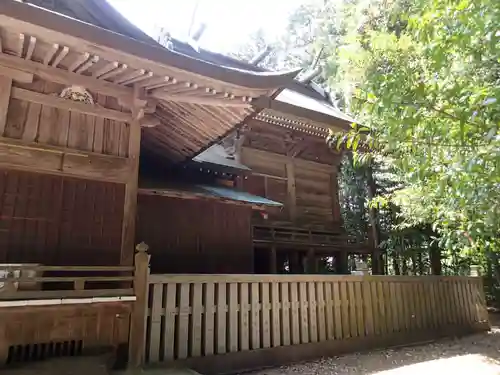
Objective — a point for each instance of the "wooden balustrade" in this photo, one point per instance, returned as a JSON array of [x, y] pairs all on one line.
[[48, 282]]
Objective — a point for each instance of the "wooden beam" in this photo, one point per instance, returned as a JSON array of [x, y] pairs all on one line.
[[79, 60], [64, 77], [291, 189], [31, 48], [88, 64], [16, 75], [60, 56], [56, 102], [5, 92], [149, 121], [42, 158], [50, 54]]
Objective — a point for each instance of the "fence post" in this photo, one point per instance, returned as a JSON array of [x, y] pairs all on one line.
[[139, 312]]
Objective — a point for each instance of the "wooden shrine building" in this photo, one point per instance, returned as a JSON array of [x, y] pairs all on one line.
[[108, 139]]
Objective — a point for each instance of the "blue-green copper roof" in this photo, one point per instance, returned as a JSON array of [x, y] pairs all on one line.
[[238, 195]]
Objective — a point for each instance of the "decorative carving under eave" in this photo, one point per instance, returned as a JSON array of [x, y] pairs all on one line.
[[234, 142], [77, 94]]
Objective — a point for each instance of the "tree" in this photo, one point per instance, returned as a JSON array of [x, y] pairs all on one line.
[[427, 93]]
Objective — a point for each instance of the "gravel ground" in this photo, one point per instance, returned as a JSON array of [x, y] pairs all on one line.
[[472, 355]]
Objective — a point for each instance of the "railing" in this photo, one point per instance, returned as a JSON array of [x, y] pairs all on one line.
[[34, 282], [199, 316]]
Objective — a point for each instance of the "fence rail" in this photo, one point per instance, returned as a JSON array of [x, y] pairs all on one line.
[[28, 281], [192, 316]]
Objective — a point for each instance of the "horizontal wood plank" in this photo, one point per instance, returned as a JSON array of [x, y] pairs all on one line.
[[56, 102]]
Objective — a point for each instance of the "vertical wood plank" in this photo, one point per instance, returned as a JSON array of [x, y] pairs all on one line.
[[418, 305], [358, 296], [344, 298], [183, 328], [294, 311], [468, 303], [244, 334], [170, 313], [31, 127], [434, 318], [329, 307], [5, 90], [440, 302], [460, 302], [97, 145], [304, 318], [285, 311], [291, 189], [337, 310], [446, 302], [275, 315], [265, 315], [426, 301], [313, 312], [254, 316], [394, 307], [320, 300], [220, 340], [16, 119], [353, 316], [368, 310], [233, 317], [156, 313], [208, 319], [196, 327], [63, 120], [381, 308], [375, 308]]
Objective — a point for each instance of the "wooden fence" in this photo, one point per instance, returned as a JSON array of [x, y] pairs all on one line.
[[213, 322]]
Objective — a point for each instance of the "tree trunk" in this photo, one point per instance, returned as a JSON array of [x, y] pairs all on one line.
[[395, 264], [435, 258], [377, 259]]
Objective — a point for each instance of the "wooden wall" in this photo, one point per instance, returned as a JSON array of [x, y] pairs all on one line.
[[59, 220], [33, 122], [194, 236], [308, 189], [93, 149]]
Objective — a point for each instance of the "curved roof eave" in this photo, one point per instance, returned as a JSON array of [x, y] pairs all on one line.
[[24, 17]]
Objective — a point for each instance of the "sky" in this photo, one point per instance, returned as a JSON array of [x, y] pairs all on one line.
[[229, 22]]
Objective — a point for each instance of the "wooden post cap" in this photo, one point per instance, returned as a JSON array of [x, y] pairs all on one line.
[[142, 247]]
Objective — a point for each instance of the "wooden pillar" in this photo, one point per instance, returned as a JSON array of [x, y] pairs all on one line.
[[295, 262], [5, 91], [139, 312], [272, 261], [291, 189], [311, 265], [435, 258], [131, 187], [341, 263]]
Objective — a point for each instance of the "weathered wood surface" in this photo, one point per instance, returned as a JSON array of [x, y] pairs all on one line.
[[58, 220], [205, 237], [306, 188], [302, 309]]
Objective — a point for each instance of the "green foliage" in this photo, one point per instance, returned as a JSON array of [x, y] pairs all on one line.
[[425, 82]]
